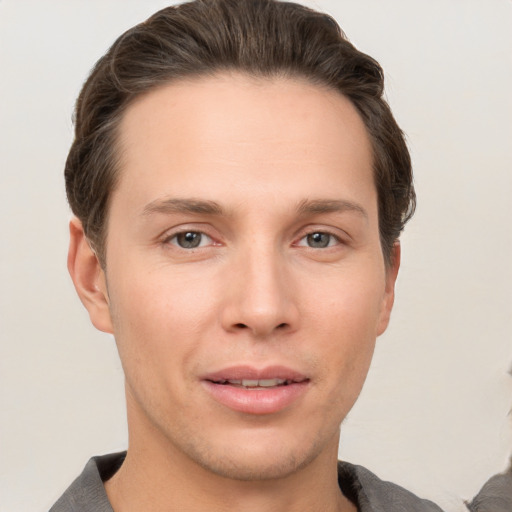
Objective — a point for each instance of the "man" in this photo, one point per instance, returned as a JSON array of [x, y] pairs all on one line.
[[239, 186]]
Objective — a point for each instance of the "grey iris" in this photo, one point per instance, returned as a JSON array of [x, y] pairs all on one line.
[[189, 240], [318, 240]]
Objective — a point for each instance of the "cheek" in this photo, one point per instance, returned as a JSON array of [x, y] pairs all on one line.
[[351, 305], [347, 320], [158, 319], [349, 353]]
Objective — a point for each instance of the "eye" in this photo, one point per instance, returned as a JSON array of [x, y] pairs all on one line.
[[319, 240], [190, 239]]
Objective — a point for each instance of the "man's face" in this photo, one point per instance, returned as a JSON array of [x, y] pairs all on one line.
[[244, 274]]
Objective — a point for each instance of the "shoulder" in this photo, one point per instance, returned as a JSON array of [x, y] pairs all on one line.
[[87, 492], [375, 495]]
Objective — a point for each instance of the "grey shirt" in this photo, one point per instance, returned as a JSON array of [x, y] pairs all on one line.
[[367, 491]]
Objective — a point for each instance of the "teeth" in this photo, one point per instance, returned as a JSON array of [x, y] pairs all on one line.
[[250, 383], [257, 383], [267, 383]]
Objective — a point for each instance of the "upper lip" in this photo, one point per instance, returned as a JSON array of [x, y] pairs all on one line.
[[250, 372]]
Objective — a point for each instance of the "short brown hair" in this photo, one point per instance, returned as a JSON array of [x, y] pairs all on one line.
[[263, 38]]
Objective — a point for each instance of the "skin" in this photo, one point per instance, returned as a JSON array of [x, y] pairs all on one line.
[[283, 159]]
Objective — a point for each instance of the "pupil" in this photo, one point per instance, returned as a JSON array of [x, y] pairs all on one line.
[[189, 240], [318, 239]]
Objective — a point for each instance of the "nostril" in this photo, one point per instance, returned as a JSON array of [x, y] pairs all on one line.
[[241, 326], [282, 326]]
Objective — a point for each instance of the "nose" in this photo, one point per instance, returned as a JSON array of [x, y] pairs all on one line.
[[260, 295]]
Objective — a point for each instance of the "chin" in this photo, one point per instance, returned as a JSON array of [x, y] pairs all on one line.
[[257, 459], [243, 468]]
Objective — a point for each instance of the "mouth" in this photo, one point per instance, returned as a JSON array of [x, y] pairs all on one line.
[[257, 383], [251, 391]]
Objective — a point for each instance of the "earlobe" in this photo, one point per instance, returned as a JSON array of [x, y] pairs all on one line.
[[88, 277], [389, 292]]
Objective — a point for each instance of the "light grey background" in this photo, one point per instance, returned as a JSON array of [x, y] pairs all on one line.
[[434, 413]]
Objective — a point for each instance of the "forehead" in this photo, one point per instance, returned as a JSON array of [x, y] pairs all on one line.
[[224, 130]]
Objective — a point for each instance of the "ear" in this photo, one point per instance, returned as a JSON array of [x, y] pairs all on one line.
[[389, 291], [88, 277]]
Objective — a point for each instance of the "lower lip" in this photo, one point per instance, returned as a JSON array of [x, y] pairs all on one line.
[[256, 400]]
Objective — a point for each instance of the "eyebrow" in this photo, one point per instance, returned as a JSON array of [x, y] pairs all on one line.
[[319, 206], [175, 205], [207, 207]]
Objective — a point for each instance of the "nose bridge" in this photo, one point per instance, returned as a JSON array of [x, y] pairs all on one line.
[[261, 299]]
